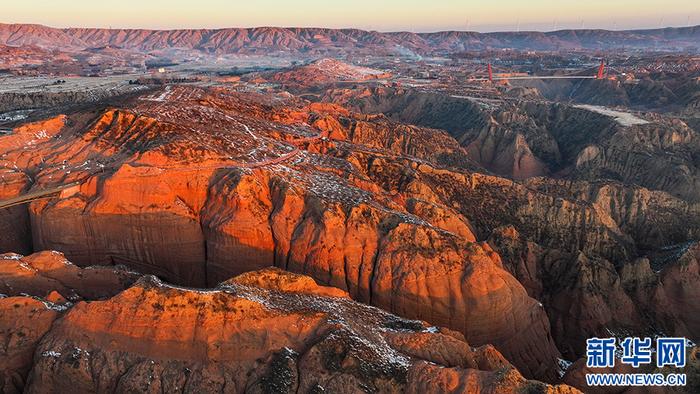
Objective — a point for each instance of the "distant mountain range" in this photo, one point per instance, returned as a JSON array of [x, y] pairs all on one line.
[[320, 40]]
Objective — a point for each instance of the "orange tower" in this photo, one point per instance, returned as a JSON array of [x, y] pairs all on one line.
[[601, 70]]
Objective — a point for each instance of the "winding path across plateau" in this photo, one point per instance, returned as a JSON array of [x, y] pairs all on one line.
[[38, 195], [67, 188]]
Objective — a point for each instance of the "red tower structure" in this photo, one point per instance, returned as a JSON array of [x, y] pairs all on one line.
[[490, 73], [601, 70]]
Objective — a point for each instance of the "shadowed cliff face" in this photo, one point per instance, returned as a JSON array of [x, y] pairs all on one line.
[[264, 331], [657, 91], [197, 186], [586, 296], [14, 221], [523, 139]]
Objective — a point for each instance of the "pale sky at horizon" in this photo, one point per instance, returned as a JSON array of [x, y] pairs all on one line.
[[382, 15]]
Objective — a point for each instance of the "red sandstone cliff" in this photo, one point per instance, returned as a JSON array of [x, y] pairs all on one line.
[[266, 331], [205, 185]]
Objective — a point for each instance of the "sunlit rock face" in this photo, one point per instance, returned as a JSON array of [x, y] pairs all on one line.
[[35, 290], [263, 331], [205, 184]]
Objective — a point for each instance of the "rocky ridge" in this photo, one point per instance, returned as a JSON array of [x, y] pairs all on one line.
[[267, 39], [260, 332]]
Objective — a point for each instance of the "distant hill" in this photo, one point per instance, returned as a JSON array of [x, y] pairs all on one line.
[[325, 71], [319, 40]]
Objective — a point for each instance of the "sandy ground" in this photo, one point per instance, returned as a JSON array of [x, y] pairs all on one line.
[[623, 118], [10, 84]]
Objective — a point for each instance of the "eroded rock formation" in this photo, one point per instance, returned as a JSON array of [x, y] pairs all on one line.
[[265, 331], [198, 185], [227, 212]]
